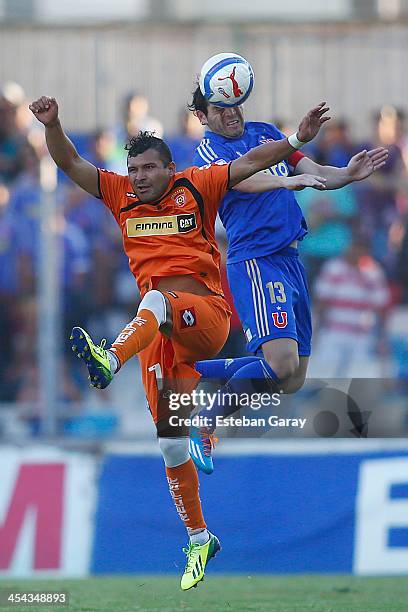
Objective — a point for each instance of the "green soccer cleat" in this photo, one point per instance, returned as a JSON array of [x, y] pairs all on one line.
[[95, 357], [197, 558]]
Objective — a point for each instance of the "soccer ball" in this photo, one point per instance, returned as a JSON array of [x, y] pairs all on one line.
[[226, 79]]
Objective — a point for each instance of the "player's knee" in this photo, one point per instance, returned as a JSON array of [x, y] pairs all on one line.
[[174, 451], [294, 383], [284, 364], [155, 302]]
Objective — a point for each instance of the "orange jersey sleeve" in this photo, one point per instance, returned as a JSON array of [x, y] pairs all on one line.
[[112, 187]]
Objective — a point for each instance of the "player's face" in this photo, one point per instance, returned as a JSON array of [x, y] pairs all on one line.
[[149, 176], [228, 122]]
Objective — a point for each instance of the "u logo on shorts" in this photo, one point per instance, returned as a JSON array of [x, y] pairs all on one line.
[[280, 319]]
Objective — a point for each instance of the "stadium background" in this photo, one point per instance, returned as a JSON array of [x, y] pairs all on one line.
[[72, 460]]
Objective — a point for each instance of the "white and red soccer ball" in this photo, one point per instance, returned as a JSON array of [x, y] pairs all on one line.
[[226, 79]]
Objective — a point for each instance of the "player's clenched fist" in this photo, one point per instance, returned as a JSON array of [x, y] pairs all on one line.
[[45, 109]]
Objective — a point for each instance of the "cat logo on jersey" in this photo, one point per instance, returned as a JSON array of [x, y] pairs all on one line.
[[188, 318], [179, 197], [280, 319], [160, 226]]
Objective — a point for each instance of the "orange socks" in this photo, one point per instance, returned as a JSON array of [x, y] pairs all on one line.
[[184, 486], [135, 336]]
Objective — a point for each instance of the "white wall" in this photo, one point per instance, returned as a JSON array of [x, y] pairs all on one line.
[[232, 10], [91, 11]]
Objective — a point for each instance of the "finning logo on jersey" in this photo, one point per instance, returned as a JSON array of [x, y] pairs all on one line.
[[188, 318], [280, 319], [161, 226], [130, 194], [179, 197]]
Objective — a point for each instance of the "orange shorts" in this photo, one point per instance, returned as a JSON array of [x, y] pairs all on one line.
[[200, 330]]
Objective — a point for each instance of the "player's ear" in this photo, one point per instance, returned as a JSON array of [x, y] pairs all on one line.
[[202, 117], [172, 168]]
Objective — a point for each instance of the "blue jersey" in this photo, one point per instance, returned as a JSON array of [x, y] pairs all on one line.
[[257, 224]]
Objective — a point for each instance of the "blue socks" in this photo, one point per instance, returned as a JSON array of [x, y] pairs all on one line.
[[222, 368], [253, 376]]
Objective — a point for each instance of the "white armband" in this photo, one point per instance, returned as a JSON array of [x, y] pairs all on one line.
[[295, 142]]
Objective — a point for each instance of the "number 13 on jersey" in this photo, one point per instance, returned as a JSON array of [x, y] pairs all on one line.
[[276, 292]]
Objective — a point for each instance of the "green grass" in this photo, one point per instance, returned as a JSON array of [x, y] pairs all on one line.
[[320, 593]]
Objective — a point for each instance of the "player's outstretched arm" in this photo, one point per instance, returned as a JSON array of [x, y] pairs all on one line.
[[61, 149], [272, 153], [265, 181], [360, 166]]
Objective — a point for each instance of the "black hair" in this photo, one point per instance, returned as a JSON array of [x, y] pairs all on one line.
[[144, 141], [198, 103]]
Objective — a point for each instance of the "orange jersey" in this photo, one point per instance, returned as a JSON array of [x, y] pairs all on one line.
[[174, 235]]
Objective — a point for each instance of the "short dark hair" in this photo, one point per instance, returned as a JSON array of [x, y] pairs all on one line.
[[198, 103], [144, 141]]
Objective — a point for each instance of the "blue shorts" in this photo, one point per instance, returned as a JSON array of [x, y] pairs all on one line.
[[272, 299]]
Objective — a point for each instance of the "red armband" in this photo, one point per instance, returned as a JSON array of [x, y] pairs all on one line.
[[295, 158]]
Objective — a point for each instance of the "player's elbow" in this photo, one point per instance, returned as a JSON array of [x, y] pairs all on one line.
[[68, 165]]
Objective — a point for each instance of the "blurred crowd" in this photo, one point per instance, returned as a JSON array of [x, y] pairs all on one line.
[[356, 253]]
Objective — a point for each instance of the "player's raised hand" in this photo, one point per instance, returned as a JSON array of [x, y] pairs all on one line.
[[300, 181], [312, 122], [364, 163], [45, 109]]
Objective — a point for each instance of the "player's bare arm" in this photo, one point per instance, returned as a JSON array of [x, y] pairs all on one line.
[[360, 166], [265, 181], [61, 149], [272, 153]]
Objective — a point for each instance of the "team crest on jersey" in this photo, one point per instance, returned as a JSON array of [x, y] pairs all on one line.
[[188, 318], [280, 319], [179, 197]]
